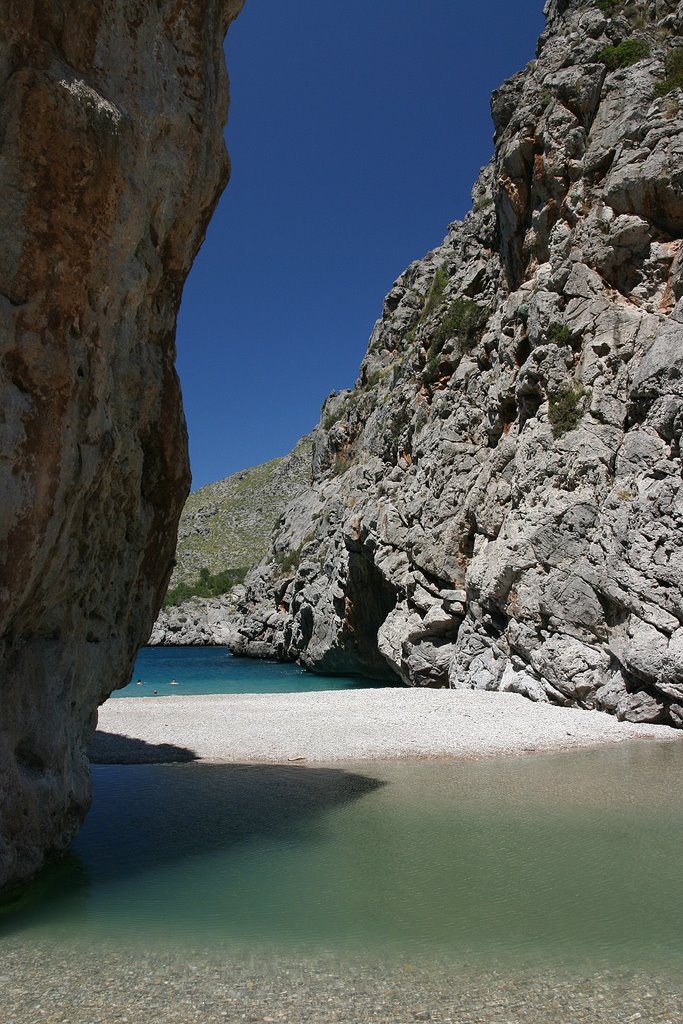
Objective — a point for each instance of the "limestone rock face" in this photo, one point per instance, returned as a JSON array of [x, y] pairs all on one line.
[[199, 622], [112, 159], [497, 503]]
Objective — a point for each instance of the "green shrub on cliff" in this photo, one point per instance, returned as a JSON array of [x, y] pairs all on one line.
[[435, 294], [609, 7], [636, 13], [463, 319], [564, 409], [400, 419], [630, 51], [558, 334], [288, 561], [331, 418]]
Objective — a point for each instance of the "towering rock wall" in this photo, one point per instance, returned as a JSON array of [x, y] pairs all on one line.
[[111, 161], [497, 503]]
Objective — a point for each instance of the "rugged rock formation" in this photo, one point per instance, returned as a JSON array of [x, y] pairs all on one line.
[[111, 118], [497, 504]]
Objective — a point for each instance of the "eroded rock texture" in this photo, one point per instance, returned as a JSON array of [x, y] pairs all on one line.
[[497, 504], [111, 161]]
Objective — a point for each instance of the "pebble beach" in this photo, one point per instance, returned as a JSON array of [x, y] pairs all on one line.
[[62, 978], [119, 986], [329, 726]]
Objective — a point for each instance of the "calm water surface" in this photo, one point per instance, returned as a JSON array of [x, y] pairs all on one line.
[[554, 859], [214, 670]]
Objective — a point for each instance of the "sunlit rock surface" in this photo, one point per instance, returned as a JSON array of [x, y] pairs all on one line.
[[111, 121], [497, 504]]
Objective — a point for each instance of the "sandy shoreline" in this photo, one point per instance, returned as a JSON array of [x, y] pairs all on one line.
[[348, 725]]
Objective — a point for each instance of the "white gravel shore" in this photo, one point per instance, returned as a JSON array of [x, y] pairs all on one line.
[[348, 725]]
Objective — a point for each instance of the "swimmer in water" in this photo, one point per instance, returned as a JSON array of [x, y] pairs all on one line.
[[155, 691], [139, 682], [173, 682]]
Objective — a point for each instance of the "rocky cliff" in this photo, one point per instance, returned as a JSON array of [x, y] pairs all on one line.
[[198, 622], [111, 121], [497, 504]]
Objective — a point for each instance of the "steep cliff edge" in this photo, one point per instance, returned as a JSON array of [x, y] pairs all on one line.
[[111, 119], [497, 503]]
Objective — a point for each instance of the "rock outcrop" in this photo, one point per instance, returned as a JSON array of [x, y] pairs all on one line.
[[497, 504], [198, 622], [111, 120]]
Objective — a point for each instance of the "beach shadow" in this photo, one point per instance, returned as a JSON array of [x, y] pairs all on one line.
[[147, 817], [112, 748]]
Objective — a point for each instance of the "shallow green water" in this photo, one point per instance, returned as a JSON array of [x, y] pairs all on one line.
[[188, 671], [555, 859]]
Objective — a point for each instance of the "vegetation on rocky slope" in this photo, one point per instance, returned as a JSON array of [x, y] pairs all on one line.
[[673, 65], [225, 527], [207, 584]]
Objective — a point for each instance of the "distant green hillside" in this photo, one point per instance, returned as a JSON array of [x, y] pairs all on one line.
[[225, 527]]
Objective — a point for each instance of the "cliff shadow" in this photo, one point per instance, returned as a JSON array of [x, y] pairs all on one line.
[[149, 820], [113, 748], [145, 815]]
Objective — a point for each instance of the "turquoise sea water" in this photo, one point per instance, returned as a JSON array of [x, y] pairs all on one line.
[[199, 670], [554, 859]]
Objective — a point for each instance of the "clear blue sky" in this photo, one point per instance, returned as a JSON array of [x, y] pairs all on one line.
[[356, 133]]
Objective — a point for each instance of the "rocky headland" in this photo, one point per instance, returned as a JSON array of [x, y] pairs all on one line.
[[111, 119], [497, 503], [225, 530]]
